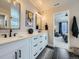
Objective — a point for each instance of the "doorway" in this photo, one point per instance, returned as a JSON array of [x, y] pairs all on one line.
[[61, 29]]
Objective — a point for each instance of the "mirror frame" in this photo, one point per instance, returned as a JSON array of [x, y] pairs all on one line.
[[19, 20]]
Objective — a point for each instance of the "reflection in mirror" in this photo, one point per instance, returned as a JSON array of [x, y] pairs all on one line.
[[15, 16], [38, 21], [4, 14], [9, 15]]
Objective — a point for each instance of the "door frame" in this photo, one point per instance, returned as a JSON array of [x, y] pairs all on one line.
[[67, 11]]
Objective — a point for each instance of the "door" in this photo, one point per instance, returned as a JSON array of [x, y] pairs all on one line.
[[23, 51], [9, 55], [61, 29]]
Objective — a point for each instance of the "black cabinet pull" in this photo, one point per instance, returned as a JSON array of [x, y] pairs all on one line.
[[35, 54], [40, 36], [41, 41], [35, 38], [40, 48], [15, 55], [35, 45], [19, 53], [45, 38]]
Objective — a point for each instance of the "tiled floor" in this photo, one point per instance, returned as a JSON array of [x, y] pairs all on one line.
[[59, 42], [46, 54], [57, 53]]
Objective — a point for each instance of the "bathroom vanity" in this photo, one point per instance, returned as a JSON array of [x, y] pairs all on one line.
[[26, 46]]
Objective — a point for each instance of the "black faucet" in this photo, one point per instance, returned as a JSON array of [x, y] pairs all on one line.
[[10, 35]]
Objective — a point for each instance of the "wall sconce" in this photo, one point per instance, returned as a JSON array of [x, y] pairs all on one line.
[[66, 14]]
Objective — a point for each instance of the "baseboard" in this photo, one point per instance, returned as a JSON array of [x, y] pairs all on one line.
[[74, 54], [50, 47]]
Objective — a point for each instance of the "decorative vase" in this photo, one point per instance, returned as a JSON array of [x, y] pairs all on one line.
[[30, 31]]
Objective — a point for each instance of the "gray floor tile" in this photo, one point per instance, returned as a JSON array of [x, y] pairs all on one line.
[[46, 54], [52, 54]]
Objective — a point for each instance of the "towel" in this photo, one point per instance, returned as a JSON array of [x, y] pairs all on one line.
[[74, 28]]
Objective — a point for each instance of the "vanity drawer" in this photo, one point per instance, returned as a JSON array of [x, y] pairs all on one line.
[[35, 55], [35, 47], [40, 36], [40, 42], [35, 39], [35, 52], [40, 50]]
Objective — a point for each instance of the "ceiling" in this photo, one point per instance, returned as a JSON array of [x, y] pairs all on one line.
[[4, 5], [46, 4]]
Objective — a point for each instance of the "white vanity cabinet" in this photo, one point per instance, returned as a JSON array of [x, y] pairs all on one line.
[[45, 39], [34, 47], [38, 43], [25, 48], [43, 42], [15, 50], [9, 55]]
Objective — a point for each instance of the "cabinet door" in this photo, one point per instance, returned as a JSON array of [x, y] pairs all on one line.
[[23, 52], [10, 55]]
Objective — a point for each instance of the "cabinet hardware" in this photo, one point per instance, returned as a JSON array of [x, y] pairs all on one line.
[[41, 41], [35, 54], [35, 45], [35, 38], [15, 55], [40, 48], [40, 36], [19, 53], [45, 38]]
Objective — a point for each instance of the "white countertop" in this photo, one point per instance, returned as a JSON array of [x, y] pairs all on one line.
[[18, 37]]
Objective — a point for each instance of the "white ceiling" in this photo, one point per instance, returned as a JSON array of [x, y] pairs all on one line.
[[52, 2], [46, 4], [4, 5]]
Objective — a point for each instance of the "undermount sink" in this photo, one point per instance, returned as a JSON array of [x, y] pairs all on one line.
[[20, 36]]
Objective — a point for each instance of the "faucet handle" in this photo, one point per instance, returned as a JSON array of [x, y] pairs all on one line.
[[10, 30], [5, 35], [14, 34]]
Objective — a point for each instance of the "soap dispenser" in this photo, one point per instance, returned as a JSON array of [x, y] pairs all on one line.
[[46, 26], [10, 34]]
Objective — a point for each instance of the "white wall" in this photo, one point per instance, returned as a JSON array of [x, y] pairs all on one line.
[[49, 20], [74, 11]]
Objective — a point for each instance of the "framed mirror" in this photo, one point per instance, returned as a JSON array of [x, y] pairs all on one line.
[[38, 21], [9, 15], [4, 14], [15, 16]]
